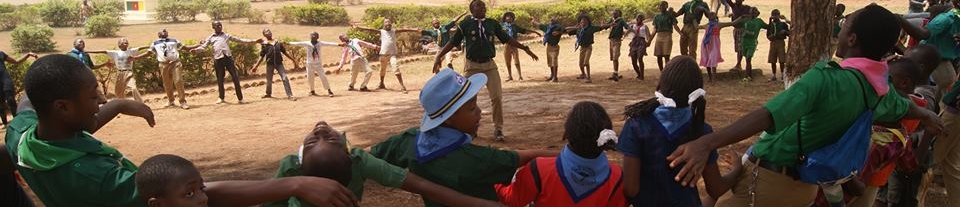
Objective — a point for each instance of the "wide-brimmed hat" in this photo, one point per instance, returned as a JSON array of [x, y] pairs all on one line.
[[445, 93]]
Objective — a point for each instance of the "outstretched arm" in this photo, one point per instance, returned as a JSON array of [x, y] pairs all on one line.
[[314, 190], [366, 29], [693, 155], [22, 58], [96, 51], [402, 30], [245, 41], [111, 109], [527, 155], [441, 194], [913, 30]]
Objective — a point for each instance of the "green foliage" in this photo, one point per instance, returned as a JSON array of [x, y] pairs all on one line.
[[11, 16], [228, 9], [61, 13], [245, 56], [102, 26], [257, 16], [178, 10], [113, 8], [17, 71], [313, 14], [105, 75], [197, 67], [32, 38], [321, 1], [299, 54]]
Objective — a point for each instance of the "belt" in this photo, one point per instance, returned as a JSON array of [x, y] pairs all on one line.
[[480, 60], [783, 170]]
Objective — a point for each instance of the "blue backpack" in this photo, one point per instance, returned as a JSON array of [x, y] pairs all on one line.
[[844, 158]]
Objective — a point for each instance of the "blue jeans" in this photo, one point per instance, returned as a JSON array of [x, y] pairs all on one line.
[[283, 76]]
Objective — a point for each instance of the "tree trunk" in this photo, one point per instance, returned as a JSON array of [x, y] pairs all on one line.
[[810, 35]]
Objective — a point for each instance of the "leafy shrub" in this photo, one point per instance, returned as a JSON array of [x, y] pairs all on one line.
[[313, 14], [113, 8], [299, 54], [178, 10], [102, 26], [61, 13], [32, 38], [320, 1], [197, 67], [16, 73], [245, 56], [229, 9], [257, 16], [11, 16]]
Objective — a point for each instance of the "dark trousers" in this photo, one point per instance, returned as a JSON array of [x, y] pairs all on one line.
[[226, 63], [7, 96], [11, 194]]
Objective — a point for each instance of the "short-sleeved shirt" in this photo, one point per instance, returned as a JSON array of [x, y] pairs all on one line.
[[585, 35], [616, 31], [751, 28], [827, 99], [121, 59], [166, 50], [775, 28], [273, 52], [221, 44], [479, 44], [514, 29], [942, 28], [645, 138], [84, 57], [91, 180], [470, 169], [550, 38], [388, 42], [691, 12], [363, 166], [664, 22]]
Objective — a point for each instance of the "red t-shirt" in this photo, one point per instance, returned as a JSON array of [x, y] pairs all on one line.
[[524, 189]]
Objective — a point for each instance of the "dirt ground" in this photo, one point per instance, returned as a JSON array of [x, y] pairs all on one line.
[[246, 141]]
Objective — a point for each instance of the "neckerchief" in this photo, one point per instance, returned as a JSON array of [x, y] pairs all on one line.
[[509, 28], [582, 176], [438, 142], [579, 36], [673, 119], [548, 33], [79, 55], [39, 155], [482, 30], [875, 71], [316, 48], [707, 35]]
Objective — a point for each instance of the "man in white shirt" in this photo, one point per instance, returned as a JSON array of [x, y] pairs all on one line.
[[122, 61], [353, 52], [314, 61], [169, 58], [223, 59], [388, 51]]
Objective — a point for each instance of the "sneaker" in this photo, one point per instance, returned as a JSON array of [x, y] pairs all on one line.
[[219, 101], [312, 93], [352, 89], [364, 89], [330, 93], [266, 96], [291, 98], [241, 102], [184, 105], [498, 134]]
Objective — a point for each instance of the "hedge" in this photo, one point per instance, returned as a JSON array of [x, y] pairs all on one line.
[[102, 26], [32, 38], [313, 14], [61, 13], [228, 9], [178, 10], [11, 16]]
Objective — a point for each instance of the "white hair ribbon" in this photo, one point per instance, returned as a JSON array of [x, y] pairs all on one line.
[[605, 136], [669, 102], [300, 155]]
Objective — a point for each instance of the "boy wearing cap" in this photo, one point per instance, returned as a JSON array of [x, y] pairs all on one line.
[[440, 149]]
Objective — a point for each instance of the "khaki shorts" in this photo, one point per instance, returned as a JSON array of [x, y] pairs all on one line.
[[615, 49], [553, 51], [663, 44], [585, 53], [778, 51]]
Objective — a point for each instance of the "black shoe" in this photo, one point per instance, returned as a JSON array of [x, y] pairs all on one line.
[[498, 134], [582, 76], [364, 89], [330, 93], [312, 93], [352, 89], [266, 96], [382, 86]]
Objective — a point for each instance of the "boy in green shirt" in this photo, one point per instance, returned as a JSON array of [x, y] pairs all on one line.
[[821, 105], [617, 25], [551, 38], [64, 165], [440, 149], [326, 153], [664, 24], [751, 31], [584, 32]]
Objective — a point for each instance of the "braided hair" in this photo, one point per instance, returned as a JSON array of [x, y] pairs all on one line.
[[583, 126], [680, 77]]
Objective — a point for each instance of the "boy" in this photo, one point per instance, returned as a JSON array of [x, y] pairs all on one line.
[[84, 57], [617, 25], [170, 181], [751, 30], [440, 149], [271, 50], [664, 24], [551, 38], [8, 101], [65, 165], [168, 58], [777, 34], [353, 52], [739, 9], [122, 61], [326, 153], [314, 61], [510, 54], [584, 32], [223, 59], [388, 51], [692, 12], [441, 36]]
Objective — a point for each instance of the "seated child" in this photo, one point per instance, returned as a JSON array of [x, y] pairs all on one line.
[[169, 180], [581, 175], [440, 150], [326, 153], [655, 128]]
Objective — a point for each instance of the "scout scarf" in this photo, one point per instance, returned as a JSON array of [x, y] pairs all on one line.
[[509, 28], [483, 31], [316, 48], [875, 71], [711, 25], [582, 176], [438, 142], [580, 35], [39, 155], [672, 118], [548, 33]]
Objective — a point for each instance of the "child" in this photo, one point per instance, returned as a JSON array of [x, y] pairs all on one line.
[[638, 45], [510, 53], [777, 34], [8, 98], [664, 24], [581, 175], [273, 51], [711, 44], [617, 25], [657, 126], [353, 52], [751, 30], [584, 32], [314, 61], [327, 153], [170, 181], [440, 150], [389, 51], [551, 38]]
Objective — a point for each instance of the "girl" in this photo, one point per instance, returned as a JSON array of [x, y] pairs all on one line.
[[655, 128], [510, 53], [581, 175], [710, 48], [638, 45]]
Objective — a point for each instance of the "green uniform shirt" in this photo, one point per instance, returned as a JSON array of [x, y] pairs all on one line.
[[836, 27], [751, 29], [664, 22], [550, 28], [585, 35], [616, 31], [479, 45], [470, 169], [942, 28], [364, 166], [442, 34], [514, 29], [72, 172], [828, 99], [691, 13]]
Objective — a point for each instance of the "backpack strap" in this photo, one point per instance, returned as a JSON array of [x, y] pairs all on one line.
[[535, 171]]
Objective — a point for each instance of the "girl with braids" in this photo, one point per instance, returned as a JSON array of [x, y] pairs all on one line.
[[655, 127], [581, 175]]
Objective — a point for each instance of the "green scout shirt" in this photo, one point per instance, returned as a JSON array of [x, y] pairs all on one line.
[[479, 45], [516, 29], [585, 35], [836, 27], [442, 34], [942, 28], [828, 99], [751, 28], [80, 171], [363, 166], [470, 169], [692, 15], [664, 22], [616, 31], [550, 28]]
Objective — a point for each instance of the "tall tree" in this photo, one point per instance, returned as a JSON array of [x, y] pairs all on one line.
[[810, 36]]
